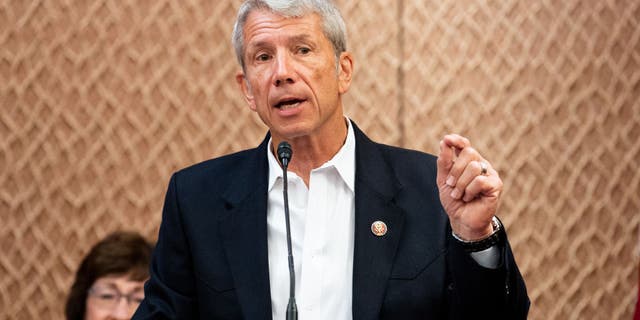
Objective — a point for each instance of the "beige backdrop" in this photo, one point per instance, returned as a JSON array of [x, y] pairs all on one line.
[[102, 100]]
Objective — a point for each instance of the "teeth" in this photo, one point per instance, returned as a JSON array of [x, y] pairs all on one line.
[[286, 106]]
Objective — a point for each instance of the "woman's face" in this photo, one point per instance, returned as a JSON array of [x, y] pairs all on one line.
[[113, 297]]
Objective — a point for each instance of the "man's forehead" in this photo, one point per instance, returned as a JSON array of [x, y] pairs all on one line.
[[264, 22]]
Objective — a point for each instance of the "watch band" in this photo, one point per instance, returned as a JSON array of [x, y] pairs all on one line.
[[486, 243]]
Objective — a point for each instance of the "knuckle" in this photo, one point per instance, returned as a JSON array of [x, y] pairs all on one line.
[[475, 165], [470, 151]]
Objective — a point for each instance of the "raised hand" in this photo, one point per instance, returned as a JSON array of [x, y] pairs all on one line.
[[469, 188]]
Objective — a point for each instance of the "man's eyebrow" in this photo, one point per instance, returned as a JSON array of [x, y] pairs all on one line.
[[292, 39], [258, 44], [300, 38]]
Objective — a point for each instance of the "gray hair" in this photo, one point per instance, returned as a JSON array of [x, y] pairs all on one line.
[[333, 24]]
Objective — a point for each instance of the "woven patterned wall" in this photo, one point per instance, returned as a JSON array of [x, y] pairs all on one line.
[[551, 91], [101, 100]]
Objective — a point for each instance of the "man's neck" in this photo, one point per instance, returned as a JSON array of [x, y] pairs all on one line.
[[312, 151]]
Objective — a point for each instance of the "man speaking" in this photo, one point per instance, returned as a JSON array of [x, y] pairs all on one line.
[[350, 229]]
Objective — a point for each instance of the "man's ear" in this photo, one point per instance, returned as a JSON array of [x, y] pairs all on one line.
[[345, 72], [246, 90]]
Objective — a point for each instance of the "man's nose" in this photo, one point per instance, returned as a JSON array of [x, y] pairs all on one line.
[[284, 71]]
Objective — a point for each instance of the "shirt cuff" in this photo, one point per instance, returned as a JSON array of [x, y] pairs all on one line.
[[488, 258]]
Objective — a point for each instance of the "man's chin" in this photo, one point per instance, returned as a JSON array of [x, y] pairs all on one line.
[[292, 132]]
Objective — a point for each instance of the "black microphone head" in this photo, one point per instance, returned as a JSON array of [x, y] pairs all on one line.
[[284, 153]]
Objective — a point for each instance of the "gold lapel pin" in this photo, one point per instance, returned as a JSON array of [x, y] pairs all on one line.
[[379, 228]]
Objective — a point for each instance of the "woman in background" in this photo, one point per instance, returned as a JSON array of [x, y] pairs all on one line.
[[109, 282]]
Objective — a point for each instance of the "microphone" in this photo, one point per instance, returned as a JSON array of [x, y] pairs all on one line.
[[284, 155]]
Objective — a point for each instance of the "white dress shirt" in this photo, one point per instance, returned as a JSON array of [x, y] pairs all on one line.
[[322, 223]]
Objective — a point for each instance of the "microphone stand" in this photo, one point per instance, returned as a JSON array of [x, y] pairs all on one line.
[[284, 155]]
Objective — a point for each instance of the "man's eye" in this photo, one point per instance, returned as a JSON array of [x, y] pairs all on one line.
[[263, 57], [304, 50]]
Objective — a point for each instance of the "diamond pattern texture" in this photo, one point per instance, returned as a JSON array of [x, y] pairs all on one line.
[[102, 100]]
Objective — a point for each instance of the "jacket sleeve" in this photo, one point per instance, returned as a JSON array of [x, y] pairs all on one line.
[[476, 292], [170, 290]]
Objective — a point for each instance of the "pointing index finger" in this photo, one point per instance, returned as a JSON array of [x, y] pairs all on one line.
[[450, 147], [457, 141]]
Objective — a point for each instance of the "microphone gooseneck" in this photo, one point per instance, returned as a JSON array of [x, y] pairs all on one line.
[[284, 156]]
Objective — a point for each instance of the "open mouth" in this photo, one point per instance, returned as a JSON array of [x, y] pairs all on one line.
[[288, 104]]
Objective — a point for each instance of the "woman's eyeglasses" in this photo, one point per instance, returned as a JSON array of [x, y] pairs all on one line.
[[108, 298]]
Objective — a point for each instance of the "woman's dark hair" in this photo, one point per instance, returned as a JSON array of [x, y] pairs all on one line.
[[120, 253]]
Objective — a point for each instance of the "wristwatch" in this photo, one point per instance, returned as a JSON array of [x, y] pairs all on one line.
[[486, 243]]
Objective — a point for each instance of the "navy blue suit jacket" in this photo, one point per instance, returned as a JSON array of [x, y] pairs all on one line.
[[211, 261]]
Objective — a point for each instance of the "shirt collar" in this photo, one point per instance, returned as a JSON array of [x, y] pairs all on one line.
[[343, 161]]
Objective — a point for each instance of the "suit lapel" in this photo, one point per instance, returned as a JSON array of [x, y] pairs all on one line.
[[244, 232], [375, 189]]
